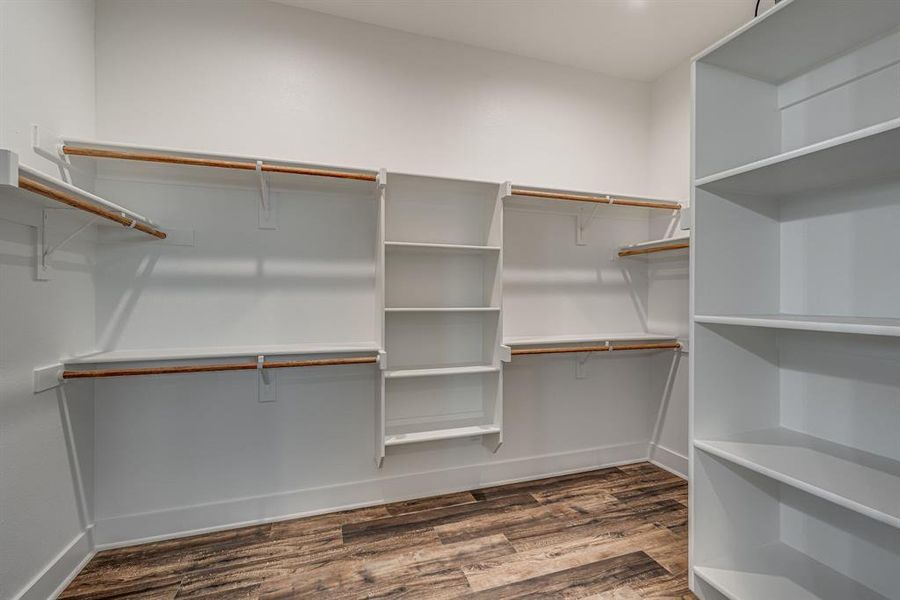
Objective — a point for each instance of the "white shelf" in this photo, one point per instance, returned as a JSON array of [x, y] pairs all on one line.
[[850, 478], [686, 237], [442, 309], [11, 170], [209, 175], [789, 39], [778, 572], [868, 153], [165, 354], [437, 371], [584, 338], [400, 439], [461, 248], [854, 325]]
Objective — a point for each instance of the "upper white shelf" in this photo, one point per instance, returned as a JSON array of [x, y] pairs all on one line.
[[166, 354], [439, 248], [675, 245], [857, 325], [200, 167], [864, 154], [442, 309], [788, 40], [778, 572], [556, 200], [584, 338], [847, 477]]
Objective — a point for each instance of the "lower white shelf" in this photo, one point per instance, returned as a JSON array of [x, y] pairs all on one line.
[[436, 371], [850, 478], [779, 572], [400, 439]]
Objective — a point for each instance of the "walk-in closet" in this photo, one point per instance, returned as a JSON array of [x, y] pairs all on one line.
[[501, 299]]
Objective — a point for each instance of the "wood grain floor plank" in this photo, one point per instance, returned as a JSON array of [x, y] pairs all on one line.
[[582, 581], [617, 521], [573, 553], [424, 573], [421, 504], [560, 482], [432, 518], [534, 519]]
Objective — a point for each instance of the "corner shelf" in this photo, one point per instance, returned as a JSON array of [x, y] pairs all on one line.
[[868, 153], [850, 325], [779, 572], [850, 478], [400, 439], [678, 244], [437, 371]]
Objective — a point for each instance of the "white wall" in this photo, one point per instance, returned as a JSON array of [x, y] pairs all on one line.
[[260, 78], [46, 77], [668, 296]]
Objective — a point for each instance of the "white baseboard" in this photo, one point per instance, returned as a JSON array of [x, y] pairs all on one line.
[[190, 520], [670, 461], [54, 578]]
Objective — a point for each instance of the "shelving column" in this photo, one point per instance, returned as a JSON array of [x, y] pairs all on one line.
[[440, 261]]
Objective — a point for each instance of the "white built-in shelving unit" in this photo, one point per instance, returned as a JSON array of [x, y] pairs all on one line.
[[441, 246], [260, 225], [795, 460]]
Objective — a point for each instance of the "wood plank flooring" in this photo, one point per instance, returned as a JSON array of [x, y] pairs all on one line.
[[611, 534]]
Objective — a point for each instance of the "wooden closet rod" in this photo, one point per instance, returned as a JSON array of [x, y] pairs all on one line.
[[597, 199], [49, 192], [176, 159], [172, 370], [574, 349], [651, 250]]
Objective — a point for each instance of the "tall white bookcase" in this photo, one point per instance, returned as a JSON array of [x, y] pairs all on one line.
[[795, 363], [442, 255]]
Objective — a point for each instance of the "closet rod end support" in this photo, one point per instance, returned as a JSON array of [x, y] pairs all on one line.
[[47, 378]]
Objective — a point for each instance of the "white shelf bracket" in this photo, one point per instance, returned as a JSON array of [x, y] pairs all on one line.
[[505, 353], [268, 218], [44, 251], [47, 378], [56, 156], [505, 189], [266, 381], [381, 360], [583, 221], [381, 179], [686, 218], [581, 366]]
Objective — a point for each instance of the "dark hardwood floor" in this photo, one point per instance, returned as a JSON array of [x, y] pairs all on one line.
[[612, 534]]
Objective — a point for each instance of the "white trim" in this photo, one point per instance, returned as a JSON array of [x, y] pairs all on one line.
[[60, 571], [126, 530], [674, 463]]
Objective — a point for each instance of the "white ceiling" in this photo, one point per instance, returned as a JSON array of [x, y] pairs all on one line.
[[635, 39]]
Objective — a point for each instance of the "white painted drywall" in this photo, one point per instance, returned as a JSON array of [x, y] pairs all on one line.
[[47, 77], [668, 294], [254, 77]]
